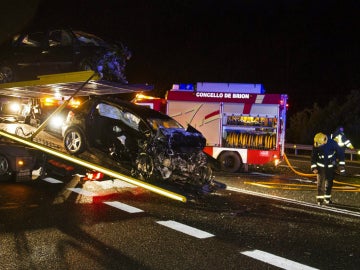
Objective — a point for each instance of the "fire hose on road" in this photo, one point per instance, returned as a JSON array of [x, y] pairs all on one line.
[[313, 175], [298, 173]]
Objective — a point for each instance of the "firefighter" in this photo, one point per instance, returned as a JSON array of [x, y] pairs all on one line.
[[340, 138], [324, 153]]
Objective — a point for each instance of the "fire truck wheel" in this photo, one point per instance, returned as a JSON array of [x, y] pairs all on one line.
[[74, 141], [4, 168], [230, 161]]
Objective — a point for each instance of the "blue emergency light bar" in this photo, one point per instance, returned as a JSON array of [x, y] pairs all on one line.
[[252, 88], [186, 86]]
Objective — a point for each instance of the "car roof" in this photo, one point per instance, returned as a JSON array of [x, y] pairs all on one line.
[[46, 29]]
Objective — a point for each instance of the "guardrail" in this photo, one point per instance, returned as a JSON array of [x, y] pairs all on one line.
[[297, 147]]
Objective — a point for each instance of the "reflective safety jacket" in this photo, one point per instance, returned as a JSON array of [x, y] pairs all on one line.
[[326, 155], [341, 139]]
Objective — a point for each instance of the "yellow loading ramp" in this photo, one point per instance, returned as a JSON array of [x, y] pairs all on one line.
[[68, 85]]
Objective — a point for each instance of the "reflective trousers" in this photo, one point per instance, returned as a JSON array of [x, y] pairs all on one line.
[[325, 178]]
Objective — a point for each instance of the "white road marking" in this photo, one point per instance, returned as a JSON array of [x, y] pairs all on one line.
[[124, 207], [313, 205], [52, 180], [185, 229], [276, 260], [82, 192]]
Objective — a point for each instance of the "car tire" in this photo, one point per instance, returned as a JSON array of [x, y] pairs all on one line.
[[86, 64], [5, 171], [7, 74], [230, 161], [74, 141]]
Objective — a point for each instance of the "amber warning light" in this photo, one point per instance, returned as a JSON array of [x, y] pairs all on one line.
[[49, 102]]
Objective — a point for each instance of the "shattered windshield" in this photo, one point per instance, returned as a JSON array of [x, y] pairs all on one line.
[[165, 123]]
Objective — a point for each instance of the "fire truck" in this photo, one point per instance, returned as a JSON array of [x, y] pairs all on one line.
[[242, 124]]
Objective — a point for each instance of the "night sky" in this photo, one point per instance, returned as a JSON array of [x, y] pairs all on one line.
[[307, 49]]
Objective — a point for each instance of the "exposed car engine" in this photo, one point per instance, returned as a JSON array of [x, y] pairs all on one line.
[[178, 157]]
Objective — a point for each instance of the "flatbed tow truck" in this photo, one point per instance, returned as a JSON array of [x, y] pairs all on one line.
[[67, 86]]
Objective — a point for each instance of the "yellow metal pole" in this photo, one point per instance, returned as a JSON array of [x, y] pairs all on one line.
[[86, 164]]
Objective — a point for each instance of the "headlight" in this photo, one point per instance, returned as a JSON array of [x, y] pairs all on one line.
[[14, 107], [56, 121]]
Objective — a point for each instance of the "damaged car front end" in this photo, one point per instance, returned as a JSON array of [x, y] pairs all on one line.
[[176, 155]]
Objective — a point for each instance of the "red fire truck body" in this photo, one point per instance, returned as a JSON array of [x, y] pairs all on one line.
[[242, 125]]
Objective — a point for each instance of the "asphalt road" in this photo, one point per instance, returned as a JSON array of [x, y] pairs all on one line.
[[263, 220]]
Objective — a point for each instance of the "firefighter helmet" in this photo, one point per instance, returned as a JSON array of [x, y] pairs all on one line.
[[320, 139]]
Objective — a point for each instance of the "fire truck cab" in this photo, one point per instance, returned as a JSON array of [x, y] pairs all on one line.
[[242, 124]]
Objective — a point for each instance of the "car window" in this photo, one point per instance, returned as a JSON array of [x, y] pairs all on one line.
[[120, 114], [87, 39], [109, 111], [59, 38], [131, 120], [33, 40]]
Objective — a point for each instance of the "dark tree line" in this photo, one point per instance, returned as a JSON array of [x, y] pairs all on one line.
[[303, 125]]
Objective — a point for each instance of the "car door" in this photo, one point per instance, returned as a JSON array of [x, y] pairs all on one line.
[[131, 125], [58, 55], [101, 124], [28, 53]]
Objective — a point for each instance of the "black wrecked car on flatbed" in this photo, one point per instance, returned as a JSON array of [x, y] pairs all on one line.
[[151, 144]]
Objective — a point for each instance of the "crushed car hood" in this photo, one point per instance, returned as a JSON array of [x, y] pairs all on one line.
[[180, 139]]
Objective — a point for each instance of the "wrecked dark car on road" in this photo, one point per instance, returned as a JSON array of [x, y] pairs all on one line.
[[57, 50], [152, 144]]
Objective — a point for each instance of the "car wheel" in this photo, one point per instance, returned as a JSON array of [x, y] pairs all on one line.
[[6, 74], [86, 64], [4, 168], [74, 141], [230, 161]]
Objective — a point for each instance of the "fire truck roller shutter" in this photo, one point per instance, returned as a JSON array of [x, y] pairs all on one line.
[[230, 161]]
